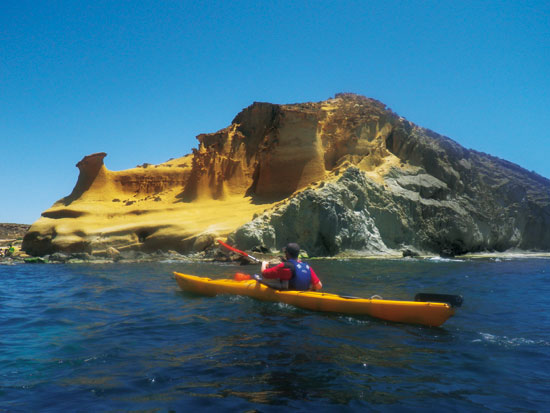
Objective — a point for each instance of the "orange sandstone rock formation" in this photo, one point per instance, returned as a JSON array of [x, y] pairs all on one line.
[[268, 153]]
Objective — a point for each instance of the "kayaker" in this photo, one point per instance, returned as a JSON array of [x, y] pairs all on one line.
[[292, 273]]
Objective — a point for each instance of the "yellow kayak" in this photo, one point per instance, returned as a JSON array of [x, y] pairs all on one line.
[[411, 312]]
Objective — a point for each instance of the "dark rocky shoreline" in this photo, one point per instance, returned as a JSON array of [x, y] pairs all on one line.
[[128, 257], [217, 255]]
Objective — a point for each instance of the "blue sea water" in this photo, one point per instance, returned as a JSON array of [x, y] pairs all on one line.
[[124, 337]]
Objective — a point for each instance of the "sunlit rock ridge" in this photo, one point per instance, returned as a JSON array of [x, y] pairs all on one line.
[[346, 175]]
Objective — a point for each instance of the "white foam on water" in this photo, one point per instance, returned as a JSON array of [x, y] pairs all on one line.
[[441, 259], [509, 341], [285, 306], [353, 320]]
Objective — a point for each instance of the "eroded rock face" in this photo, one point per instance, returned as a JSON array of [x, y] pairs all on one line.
[[472, 211], [271, 151], [342, 174], [323, 221]]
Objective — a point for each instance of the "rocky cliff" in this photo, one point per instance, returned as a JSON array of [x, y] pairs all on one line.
[[338, 175]]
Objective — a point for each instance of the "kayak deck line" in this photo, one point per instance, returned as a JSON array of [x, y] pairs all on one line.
[[431, 314]]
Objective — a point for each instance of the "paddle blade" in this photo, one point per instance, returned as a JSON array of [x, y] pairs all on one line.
[[452, 300], [239, 276]]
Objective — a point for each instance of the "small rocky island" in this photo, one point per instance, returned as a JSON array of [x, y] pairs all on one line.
[[342, 176]]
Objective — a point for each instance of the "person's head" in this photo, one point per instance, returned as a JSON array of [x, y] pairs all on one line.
[[292, 250]]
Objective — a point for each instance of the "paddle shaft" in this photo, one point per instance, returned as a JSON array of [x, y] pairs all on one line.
[[244, 254]]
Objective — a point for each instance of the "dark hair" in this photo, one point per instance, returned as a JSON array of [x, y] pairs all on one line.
[[292, 249]]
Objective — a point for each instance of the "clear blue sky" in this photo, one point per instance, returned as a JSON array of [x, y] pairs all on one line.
[[139, 80]]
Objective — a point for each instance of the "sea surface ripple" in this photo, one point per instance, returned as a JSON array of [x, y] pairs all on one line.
[[124, 337]]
